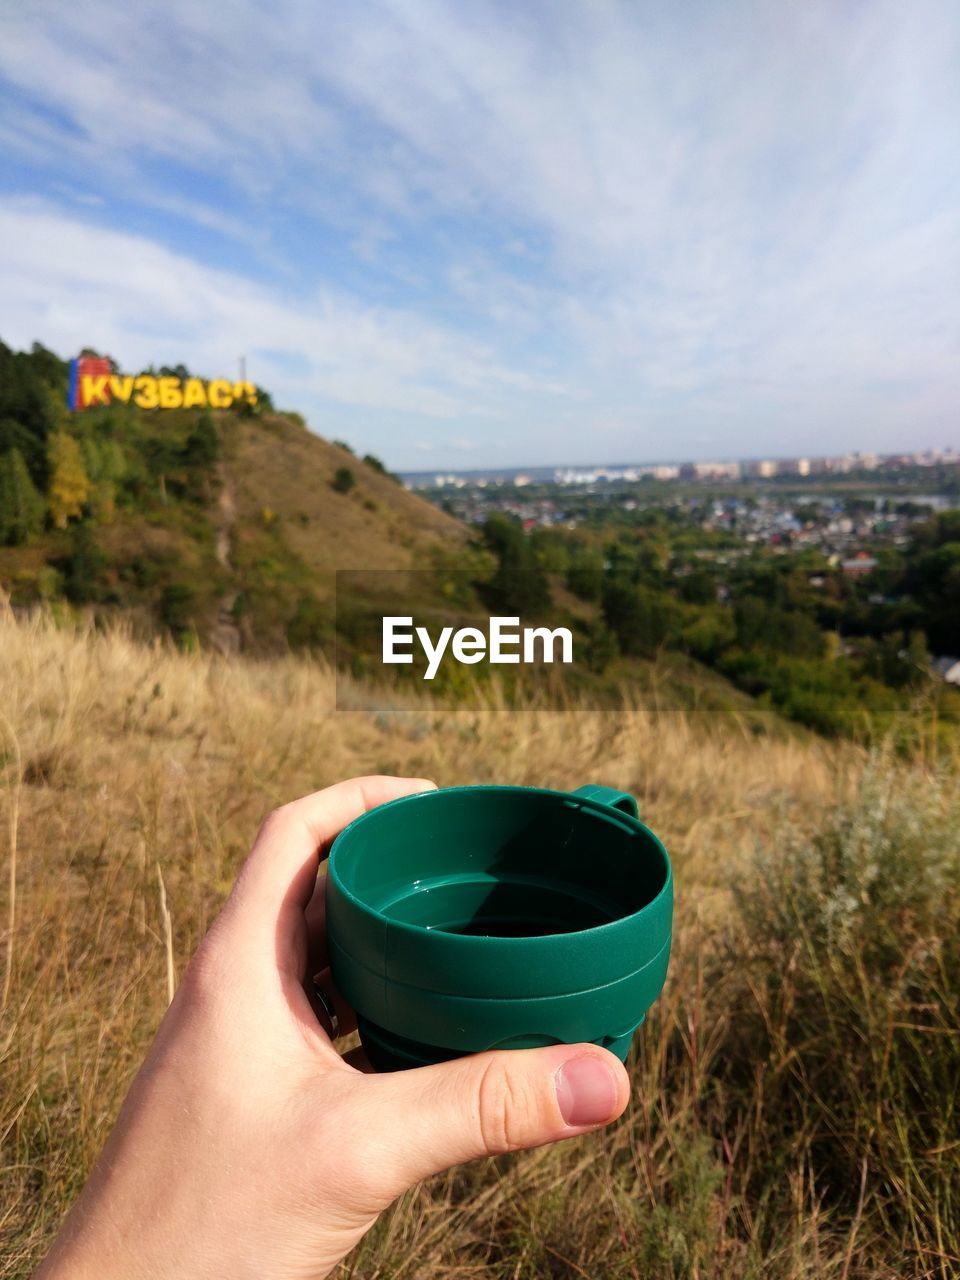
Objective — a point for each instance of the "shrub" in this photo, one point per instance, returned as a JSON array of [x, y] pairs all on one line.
[[83, 568], [343, 481], [843, 992], [311, 626], [176, 607]]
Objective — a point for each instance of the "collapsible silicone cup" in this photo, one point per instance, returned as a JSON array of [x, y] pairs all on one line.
[[473, 918]]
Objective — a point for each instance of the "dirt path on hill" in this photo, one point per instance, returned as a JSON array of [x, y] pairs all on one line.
[[225, 635]]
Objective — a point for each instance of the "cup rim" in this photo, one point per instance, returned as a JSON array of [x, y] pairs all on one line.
[[477, 941]]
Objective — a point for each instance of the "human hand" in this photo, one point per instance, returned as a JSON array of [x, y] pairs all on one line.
[[247, 1146]]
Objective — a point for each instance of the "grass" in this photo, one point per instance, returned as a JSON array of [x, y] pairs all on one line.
[[793, 1111]]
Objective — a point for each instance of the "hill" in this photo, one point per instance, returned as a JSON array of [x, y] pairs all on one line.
[[793, 1107], [224, 525]]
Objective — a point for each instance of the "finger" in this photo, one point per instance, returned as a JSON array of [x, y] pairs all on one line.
[[279, 876], [483, 1105]]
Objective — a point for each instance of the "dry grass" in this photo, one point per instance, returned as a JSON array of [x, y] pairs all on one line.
[[134, 779]]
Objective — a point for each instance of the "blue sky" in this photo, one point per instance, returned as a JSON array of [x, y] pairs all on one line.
[[497, 234]]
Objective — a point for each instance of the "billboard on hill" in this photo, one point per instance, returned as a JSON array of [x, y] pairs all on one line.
[[93, 382]]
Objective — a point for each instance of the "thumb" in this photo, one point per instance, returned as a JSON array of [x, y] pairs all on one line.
[[430, 1118]]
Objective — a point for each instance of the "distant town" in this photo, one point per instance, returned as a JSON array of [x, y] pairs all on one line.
[[825, 585], [757, 469], [841, 506]]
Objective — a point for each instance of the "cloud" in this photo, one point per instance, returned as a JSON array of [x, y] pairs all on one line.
[[76, 284], [706, 218]]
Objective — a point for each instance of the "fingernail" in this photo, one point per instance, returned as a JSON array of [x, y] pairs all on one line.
[[586, 1091]]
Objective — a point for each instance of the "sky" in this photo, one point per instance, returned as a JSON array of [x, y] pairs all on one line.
[[502, 235]]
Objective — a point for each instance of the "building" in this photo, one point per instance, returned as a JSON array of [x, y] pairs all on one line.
[[662, 471], [716, 470], [859, 565], [794, 467]]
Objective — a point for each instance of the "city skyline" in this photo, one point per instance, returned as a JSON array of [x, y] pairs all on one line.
[[801, 466]]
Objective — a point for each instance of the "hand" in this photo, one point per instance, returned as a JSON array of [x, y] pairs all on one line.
[[247, 1146]]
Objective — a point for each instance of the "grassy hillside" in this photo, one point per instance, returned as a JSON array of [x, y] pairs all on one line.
[[286, 528], [794, 1090], [235, 542]]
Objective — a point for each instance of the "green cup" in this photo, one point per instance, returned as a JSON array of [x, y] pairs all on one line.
[[475, 918]]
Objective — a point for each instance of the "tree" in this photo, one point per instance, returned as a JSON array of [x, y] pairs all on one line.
[[84, 566], [585, 574], [642, 620], [519, 585], [30, 408], [698, 587], [21, 506], [69, 486], [104, 464], [373, 461], [202, 446]]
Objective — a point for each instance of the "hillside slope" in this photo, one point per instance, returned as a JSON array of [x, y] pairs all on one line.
[[222, 526], [286, 528], [377, 524]]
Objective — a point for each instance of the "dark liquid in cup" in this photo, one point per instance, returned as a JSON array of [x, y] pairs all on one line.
[[528, 908]]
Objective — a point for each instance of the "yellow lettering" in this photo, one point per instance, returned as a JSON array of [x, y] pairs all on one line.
[[93, 390], [245, 391], [194, 395], [221, 394], [171, 397], [121, 388], [147, 394]]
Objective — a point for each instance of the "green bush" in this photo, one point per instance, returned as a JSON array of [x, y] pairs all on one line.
[[711, 632], [177, 607], [343, 480], [599, 647], [84, 566], [311, 626], [841, 984]]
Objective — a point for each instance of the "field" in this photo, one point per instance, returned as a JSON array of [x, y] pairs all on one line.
[[794, 1106]]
